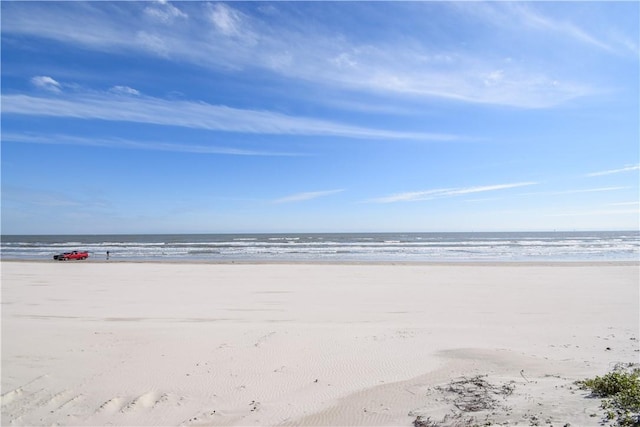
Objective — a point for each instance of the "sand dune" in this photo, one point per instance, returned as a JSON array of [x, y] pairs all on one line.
[[304, 344]]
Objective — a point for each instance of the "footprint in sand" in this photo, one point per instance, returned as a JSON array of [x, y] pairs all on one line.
[[144, 401], [10, 396], [64, 398], [18, 392], [112, 405], [148, 400]]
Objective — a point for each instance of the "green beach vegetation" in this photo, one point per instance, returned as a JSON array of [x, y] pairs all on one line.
[[620, 391]]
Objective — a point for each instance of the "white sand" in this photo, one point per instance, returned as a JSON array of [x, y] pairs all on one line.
[[272, 344]]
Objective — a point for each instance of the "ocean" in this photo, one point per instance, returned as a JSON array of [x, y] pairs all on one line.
[[338, 247]]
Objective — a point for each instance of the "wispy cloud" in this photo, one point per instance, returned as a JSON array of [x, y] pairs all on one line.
[[577, 191], [195, 115], [522, 16], [228, 21], [445, 192], [46, 83], [535, 19], [221, 36], [124, 90], [300, 197], [598, 212], [614, 171], [164, 12], [120, 143]]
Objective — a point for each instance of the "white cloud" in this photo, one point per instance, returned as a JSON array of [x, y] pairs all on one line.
[[299, 197], [445, 192], [47, 83], [124, 90], [532, 18], [196, 115], [87, 24], [164, 12], [467, 80], [344, 61], [228, 21], [137, 145], [301, 52], [521, 16], [598, 212], [152, 42], [585, 190], [614, 171]]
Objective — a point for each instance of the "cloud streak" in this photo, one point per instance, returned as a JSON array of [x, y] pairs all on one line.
[[522, 16], [194, 115], [164, 12], [124, 90], [534, 19], [301, 197], [29, 138], [598, 213], [46, 83], [615, 171], [585, 190], [415, 196]]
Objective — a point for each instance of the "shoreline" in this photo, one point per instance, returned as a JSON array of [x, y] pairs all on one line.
[[339, 248], [201, 344], [541, 263]]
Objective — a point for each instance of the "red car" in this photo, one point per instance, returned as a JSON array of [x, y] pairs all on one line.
[[72, 255]]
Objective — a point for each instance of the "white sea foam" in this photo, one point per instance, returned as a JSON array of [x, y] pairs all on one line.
[[337, 247]]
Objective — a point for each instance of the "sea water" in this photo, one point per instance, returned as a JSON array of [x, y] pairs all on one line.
[[350, 247]]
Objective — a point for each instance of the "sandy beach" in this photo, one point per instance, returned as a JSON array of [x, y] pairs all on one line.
[[99, 343]]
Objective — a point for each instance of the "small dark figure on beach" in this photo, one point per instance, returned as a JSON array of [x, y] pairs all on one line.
[[107, 254]]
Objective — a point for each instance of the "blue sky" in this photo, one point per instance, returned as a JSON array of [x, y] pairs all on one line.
[[159, 117]]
